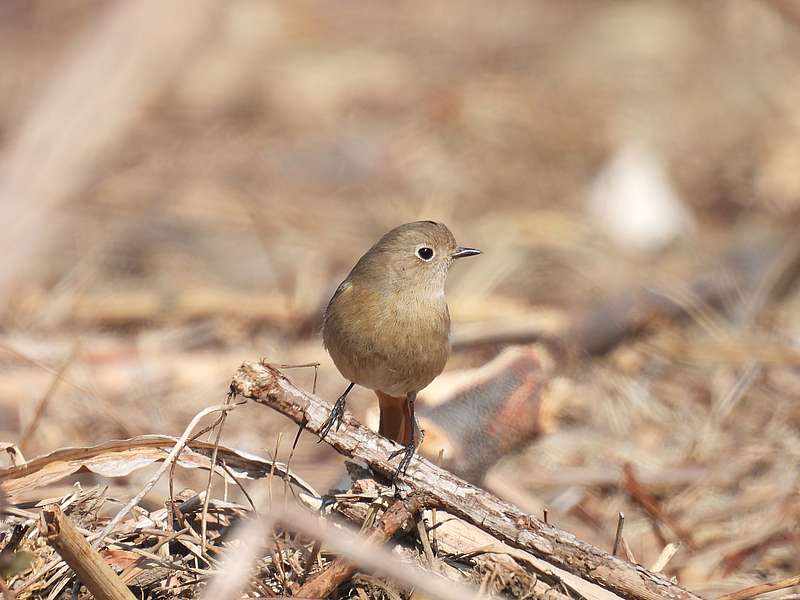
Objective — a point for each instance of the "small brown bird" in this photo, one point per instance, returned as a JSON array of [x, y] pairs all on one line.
[[387, 327]]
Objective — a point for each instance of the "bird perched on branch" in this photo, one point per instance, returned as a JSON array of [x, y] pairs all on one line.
[[387, 327]]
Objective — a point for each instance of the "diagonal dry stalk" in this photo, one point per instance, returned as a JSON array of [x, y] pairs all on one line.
[[41, 405], [762, 588], [440, 489], [369, 555], [339, 571], [124, 60], [166, 465], [236, 567]]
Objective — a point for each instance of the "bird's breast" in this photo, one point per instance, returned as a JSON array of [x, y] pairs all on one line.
[[392, 342]]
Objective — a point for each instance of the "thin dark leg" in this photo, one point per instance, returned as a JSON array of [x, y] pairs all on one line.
[[337, 413], [411, 447]]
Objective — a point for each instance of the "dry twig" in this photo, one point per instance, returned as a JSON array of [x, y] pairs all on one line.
[[92, 570], [618, 535], [372, 557], [653, 508], [392, 521], [762, 588]]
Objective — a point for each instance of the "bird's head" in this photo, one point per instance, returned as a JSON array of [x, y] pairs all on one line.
[[412, 256]]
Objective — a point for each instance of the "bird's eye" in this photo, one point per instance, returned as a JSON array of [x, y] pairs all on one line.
[[425, 253]]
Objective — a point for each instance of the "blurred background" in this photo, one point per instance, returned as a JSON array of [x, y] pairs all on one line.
[[183, 185]]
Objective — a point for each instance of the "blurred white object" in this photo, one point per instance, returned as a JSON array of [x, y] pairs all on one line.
[[633, 200]]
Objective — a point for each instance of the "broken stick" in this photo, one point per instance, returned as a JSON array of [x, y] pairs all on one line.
[[90, 567]]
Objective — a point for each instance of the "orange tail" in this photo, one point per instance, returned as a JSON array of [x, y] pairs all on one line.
[[396, 423]]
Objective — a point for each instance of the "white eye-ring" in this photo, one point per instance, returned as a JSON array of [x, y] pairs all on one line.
[[424, 252]]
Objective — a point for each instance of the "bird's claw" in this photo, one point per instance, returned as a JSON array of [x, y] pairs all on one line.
[[334, 419], [408, 453]]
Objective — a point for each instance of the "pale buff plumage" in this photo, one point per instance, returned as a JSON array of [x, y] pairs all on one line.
[[387, 327]]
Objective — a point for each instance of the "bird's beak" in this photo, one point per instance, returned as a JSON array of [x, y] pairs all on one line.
[[461, 252]]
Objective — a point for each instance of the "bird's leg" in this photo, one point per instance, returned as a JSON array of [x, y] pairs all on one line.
[[411, 446], [337, 413]]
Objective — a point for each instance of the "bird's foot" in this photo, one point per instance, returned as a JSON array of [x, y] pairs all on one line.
[[334, 419], [408, 453]]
